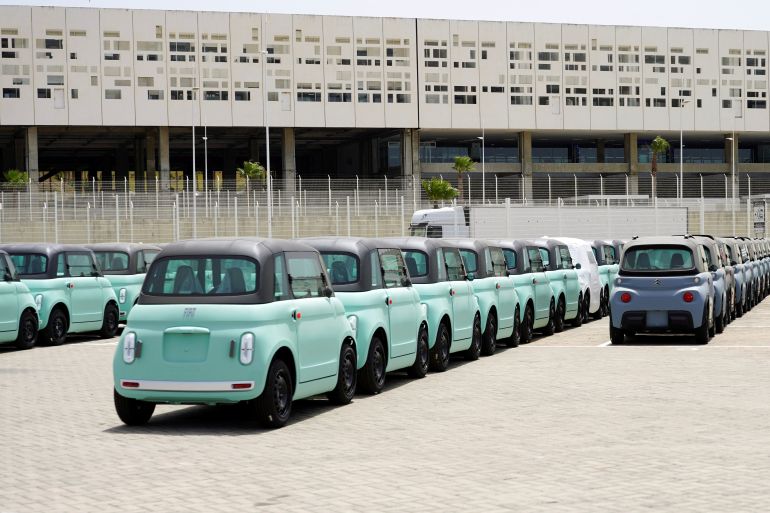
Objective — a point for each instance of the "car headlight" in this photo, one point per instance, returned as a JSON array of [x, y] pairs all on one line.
[[129, 347], [122, 296], [353, 321], [247, 348], [39, 301]]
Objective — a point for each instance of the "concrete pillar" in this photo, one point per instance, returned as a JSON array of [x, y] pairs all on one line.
[[31, 155], [289, 159], [150, 162], [139, 161], [121, 164], [163, 155], [375, 167], [525, 156], [410, 155], [731, 152], [20, 152], [631, 154]]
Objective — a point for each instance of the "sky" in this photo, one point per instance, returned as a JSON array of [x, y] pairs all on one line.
[[736, 14]]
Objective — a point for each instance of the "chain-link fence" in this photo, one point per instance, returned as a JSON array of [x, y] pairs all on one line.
[[77, 212]]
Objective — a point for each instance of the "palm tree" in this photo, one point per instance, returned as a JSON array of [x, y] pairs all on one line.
[[438, 189], [254, 171], [16, 178], [463, 164], [658, 146]]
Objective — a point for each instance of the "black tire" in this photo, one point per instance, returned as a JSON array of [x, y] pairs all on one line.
[[558, 322], [473, 352], [489, 339], [587, 308], [422, 355], [27, 336], [132, 412], [703, 333], [606, 303], [719, 323], [372, 377], [617, 336], [549, 328], [346, 376], [439, 355], [578, 320], [110, 321], [515, 338], [739, 309], [526, 325], [599, 313], [273, 407], [55, 332]]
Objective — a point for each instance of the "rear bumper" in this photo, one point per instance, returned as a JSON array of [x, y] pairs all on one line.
[[187, 386], [677, 321]]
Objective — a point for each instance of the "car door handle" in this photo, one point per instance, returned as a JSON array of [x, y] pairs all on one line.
[[565, 276], [70, 285], [451, 292], [296, 315], [497, 286], [388, 301], [534, 281]]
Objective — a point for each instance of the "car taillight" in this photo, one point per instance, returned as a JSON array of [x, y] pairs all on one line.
[[625, 297], [129, 347], [247, 348], [688, 297]]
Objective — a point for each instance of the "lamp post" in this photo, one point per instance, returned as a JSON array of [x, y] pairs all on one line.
[[206, 166], [483, 173], [195, 184], [267, 147], [732, 176], [682, 103]]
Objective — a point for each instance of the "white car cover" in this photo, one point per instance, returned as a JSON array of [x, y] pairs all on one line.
[[588, 274]]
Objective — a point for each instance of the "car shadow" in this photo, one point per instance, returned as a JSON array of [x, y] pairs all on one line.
[[661, 340]]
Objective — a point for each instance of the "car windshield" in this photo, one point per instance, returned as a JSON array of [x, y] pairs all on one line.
[[658, 258], [202, 276], [417, 263], [343, 268], [29, 264], [112, 261], [418, 230]]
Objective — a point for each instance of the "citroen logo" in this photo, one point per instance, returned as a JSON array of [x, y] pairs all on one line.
[[189, 313], [656, 282]]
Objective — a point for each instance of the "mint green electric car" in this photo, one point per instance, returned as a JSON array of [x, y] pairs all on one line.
[[563, 278], [125, 265], [454, 319], [18, 315], [71, 295], [540, 309], [370, 277], [499, 304], [251, 321]]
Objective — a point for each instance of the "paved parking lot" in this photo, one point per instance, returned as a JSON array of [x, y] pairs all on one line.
[[565, 423]]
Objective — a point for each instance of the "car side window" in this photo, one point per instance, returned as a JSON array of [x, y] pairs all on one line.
[[61, 267], [3, 267], [545, 258], [535, 260], [470, 260], [393, 268], [510, 258], [80, 264], [453, 264], [609, 255], [496, 262], [376, 270], [305, 274], [144, 259], [566, 257], [280, 280], [441, 265]]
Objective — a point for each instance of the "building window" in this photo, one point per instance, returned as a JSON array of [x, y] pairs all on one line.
[[112, 94], [11, 92], [339, 97], [242, 96], [43, 93], [74, 94], [154, 94], [111, 56], [552, 89], [542, 100]]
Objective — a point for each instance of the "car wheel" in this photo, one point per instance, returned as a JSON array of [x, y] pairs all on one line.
[[719, 325], [549, 328], [606, 303], [587, 309], [110, 321], [578, 320], [558, 322], [273, 407], [515, 338], [346, 376], [489, 339], [27, 330], [526, 325], [439, 356], [56, 331], [372, 376], [617, 336], [422, 355], [703, 333], [739, 309], [132, 412], [473, 352]]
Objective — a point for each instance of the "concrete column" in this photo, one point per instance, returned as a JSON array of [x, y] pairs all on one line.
[[375, 166], [631, 154], [525, 156], [163, 155], [20, 152], [731, 152], [410, 155], [31, 155], [150, 162], [121, 165], [289, 159], [139, 161]]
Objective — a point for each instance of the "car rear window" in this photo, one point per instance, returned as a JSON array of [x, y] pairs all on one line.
[[658, 258], [343, 268], [29, 264], [112, 261], [202, 276]]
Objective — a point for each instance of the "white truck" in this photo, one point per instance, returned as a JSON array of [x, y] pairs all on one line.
[[529, 222]]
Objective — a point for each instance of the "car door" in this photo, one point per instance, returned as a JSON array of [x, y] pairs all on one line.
[[462, 295], [9, 315], [84, 287], [570, 276], [506, 292], [403, 310], [314, 316], [540, 282]]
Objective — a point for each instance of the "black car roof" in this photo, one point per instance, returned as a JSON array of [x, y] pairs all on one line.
[[253, 247], [43, 249], [355, 245], [125, 247]]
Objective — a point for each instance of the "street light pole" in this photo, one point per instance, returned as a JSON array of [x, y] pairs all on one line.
[[681, 151], [732, 176], [267, 148], [483, 171], [206, 166], [195, 184]]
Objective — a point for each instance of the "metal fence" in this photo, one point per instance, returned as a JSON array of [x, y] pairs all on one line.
[[142, 211]]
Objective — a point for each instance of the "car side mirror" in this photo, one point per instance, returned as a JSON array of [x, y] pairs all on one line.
[[577, 266], [8, 276], [95, 274], [406, 282], [469, 277], [713, 268], [327, 291]]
